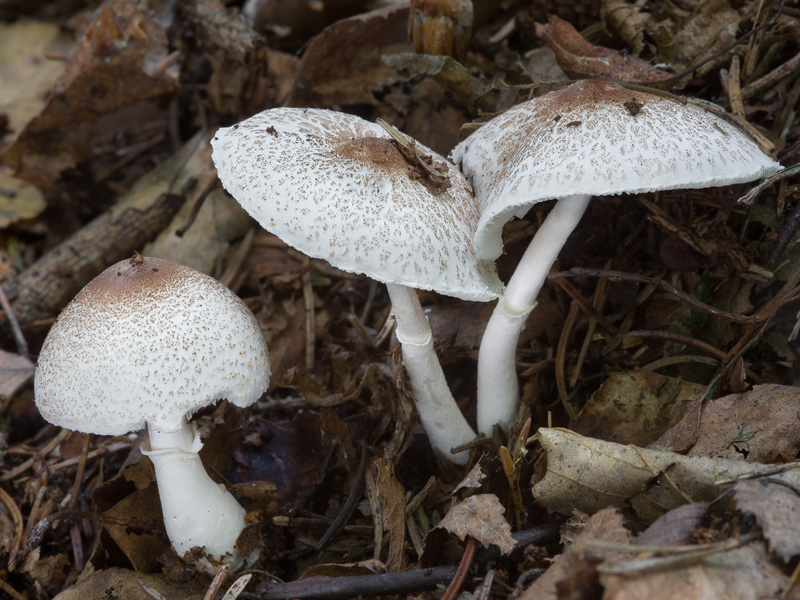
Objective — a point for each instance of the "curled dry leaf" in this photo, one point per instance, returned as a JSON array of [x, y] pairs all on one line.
[[590, 474], [472, 480], [580, 59], [481, 517]]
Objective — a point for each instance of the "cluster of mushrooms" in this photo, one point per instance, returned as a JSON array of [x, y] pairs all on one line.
[[150, 342]]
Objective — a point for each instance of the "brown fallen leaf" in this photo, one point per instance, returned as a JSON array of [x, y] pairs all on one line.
[[342, 65], [761, 423], [480, 517], [777, 509], [132, 498], [582, 60], [392, 499], [635, 407], [472, 481], [121, 58]]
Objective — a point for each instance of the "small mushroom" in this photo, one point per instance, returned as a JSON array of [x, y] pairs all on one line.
[[149, 341], [339, 188], [591, 138]]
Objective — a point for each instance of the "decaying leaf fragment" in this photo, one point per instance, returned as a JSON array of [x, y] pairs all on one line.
[[480, 517], [589, 474], [388, 501], [122, 58], [777, 509], [580, 59]]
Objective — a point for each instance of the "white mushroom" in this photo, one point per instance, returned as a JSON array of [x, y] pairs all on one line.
[[337, 187], [149, 341], [591, 138]]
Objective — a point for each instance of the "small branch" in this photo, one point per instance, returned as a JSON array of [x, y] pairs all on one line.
[[341, 588]]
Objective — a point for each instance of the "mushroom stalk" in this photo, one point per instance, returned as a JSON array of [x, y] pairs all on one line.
[[441, 418], [197, 511], [498, 387]]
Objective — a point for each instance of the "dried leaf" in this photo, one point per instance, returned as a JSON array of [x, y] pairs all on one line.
[[18, 200], [635, 407], [469, 90], [342, 65], [15, 371], [606, 525], [122, 58], [674, 528], [581, 60], [480, 517], [27, 75], [768, 410], [739, 574], [44, 570], [777, 509], [472, 480], [122, 584], [590, 474], [392, 499]]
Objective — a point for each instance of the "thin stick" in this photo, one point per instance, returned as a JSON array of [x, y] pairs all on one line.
[[19, 337], [21, 468], [561, 356], [463, 569], [350, 503], [663, 285]]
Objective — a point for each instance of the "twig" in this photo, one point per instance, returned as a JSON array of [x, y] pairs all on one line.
[[663, 285], [341, 588], [198, 204], [463, 568], [21, 468], [513, 484], [16, 516], [349, 504], [561, 357], [19, 337]]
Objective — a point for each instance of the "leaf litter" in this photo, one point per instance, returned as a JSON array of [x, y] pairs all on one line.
[[104, 121]]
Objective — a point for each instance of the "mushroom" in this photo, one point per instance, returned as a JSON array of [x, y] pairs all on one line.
[[149, 341], [339, 188], [591, 138]]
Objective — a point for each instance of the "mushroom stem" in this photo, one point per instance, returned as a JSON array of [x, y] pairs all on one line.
[[441, 418], [498, 387], [197, 511]]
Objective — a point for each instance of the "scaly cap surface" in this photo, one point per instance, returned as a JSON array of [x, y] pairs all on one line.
[[596, 137], [336, 187], [148, 340]]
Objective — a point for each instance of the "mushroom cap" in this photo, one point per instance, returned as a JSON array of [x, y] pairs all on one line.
[[598, 138], [148, 341], [336, 187]]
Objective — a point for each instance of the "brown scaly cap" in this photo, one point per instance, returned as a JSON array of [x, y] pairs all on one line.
[[148, 340]]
